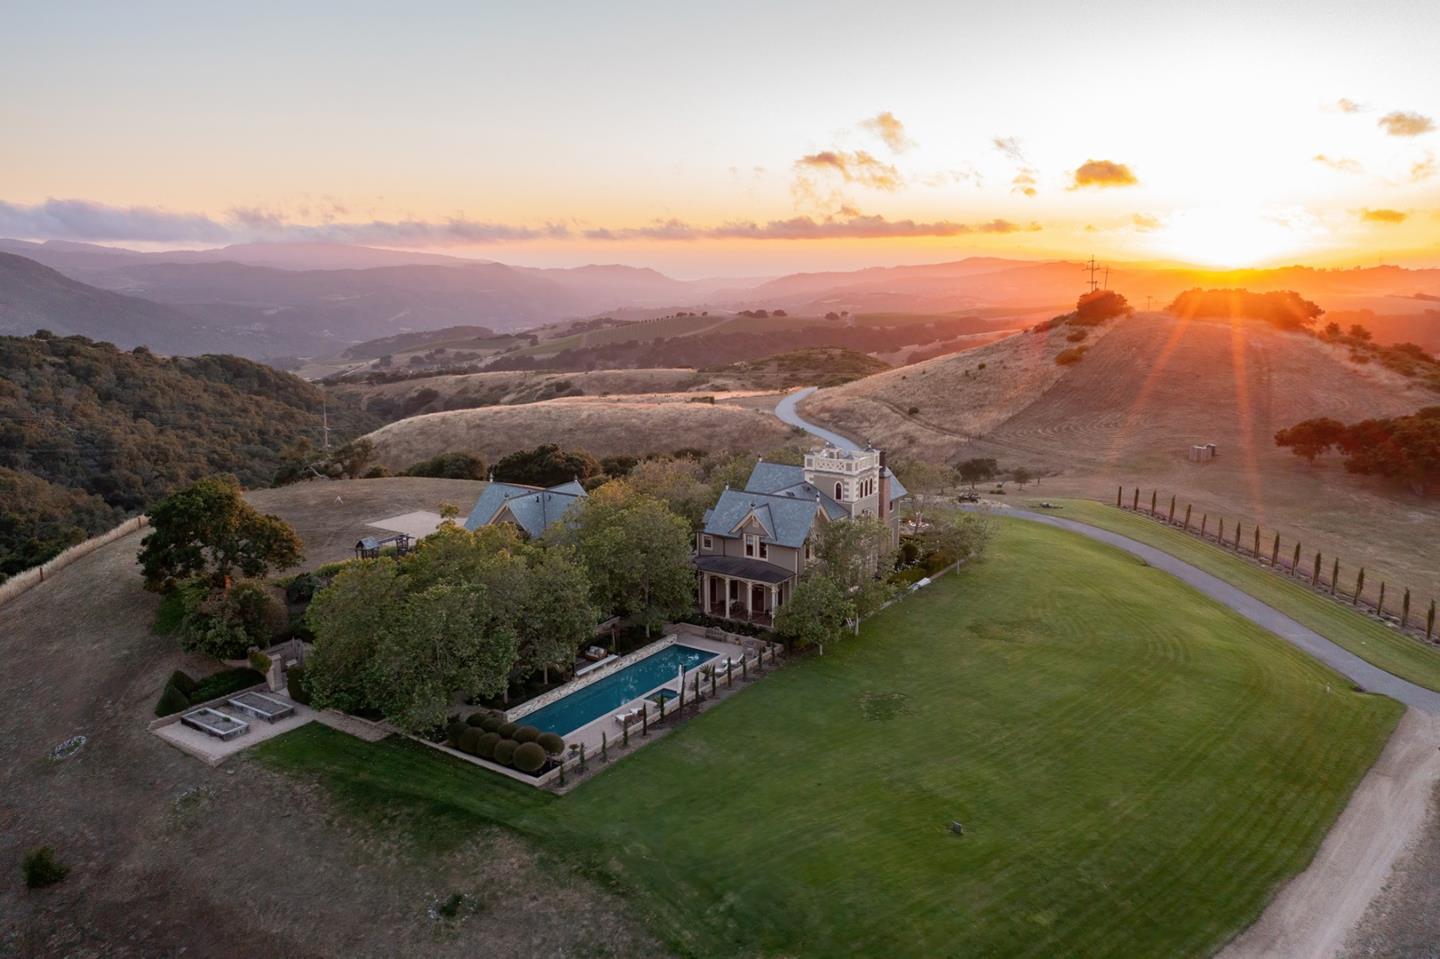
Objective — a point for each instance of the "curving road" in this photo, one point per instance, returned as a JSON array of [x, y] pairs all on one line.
[[1369, 677], [1366, 675], [785, 409]]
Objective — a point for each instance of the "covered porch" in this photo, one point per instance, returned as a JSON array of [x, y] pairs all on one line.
[[747, 590]]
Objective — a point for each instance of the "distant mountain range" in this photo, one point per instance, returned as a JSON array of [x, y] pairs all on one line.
[[276, 301]]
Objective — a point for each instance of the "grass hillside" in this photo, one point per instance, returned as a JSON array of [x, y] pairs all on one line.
[[1148, 388], [620, 425], [1137, 770]]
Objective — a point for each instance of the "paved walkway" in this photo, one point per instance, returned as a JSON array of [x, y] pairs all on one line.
[[785, 409], [1367, 676]]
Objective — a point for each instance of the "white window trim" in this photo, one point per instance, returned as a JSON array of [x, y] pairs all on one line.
[[706, 542]]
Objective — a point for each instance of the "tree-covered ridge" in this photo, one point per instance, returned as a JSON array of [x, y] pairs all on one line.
[[111, 432], [130, 427]]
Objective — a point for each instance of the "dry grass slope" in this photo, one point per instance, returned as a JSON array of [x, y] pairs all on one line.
[[618, 425], [1149, 388]]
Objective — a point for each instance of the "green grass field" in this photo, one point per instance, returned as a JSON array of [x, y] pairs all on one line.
[[1136, 767], [1365, 637]]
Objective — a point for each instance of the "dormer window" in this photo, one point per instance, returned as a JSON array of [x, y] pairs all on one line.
[[750, 544], [764, 550]]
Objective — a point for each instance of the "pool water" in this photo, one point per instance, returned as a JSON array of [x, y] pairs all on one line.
[[607, 695]]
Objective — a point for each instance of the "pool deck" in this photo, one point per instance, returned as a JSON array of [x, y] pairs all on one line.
[[589, 734]]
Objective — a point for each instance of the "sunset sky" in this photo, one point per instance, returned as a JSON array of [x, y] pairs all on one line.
[[737, 138]]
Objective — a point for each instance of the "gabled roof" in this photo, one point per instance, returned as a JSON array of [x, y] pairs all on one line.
[[533, 508], [777, 478], [786, 518]]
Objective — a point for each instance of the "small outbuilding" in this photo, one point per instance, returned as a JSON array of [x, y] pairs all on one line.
[[370, 547]]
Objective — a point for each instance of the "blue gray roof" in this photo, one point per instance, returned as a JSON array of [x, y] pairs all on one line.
[[534, 509], [776, 478], [787, 519]]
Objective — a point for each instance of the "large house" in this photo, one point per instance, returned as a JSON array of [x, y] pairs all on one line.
[[758, 540], [531, 508]]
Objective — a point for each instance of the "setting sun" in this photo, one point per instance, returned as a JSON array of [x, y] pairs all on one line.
[[1233, 237]]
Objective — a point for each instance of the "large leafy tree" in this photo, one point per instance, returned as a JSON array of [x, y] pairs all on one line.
[[679, 483], [448, 643], [351, 618], [856, 554], [546, 465], [1311, 438], [637, 554], [555, 613], [956, 535], [207, 529], [815, 614]]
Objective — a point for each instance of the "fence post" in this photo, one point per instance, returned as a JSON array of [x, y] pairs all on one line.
[[1135, 502], [1154, 498], [1295, 563], [1359, 586], [1120, 497], [1275, 553], [604, 747], [1380, 609], [1430, 621], [1188, 507], [1315, 576], [1220, 536], [1257, 544], [582, 757], [1237, 535], [1405, 610], [1334, 575], [729, 673], [1172, 510], [1204, 520]]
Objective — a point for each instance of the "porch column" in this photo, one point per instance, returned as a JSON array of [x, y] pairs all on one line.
[[774, 599], [749, 599]]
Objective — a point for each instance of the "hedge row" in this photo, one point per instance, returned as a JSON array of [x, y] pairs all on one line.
[[489, 736], [181, 692]]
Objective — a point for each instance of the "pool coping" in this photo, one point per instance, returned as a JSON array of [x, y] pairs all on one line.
[[594, 676]]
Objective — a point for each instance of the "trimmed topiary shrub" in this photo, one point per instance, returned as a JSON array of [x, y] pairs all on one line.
[[478, 719], [488, 742], [526, 734], [454, 731], [182, 681], [469, 741], [507, 730], [171, 701], [493, 723], [552, 743], [529, 757], [40, 868], [505, 751], [297, 685], [225, 682]]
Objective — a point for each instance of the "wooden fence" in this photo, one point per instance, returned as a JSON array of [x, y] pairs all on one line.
[[1391, 604], [36, 575]]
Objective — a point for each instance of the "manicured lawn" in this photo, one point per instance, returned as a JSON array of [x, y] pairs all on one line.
[[1387, 648], [1137, 770]]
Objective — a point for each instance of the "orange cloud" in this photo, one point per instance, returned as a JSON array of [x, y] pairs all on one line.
[[1383, 216], [1402, 124], [1024, 181], [858, 167], [1144, 222], [1422, 170], [889, 129], [1346, 105], [1339, 164], [1103, 173]]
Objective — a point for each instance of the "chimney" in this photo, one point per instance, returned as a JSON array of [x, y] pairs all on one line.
[[883, 509]]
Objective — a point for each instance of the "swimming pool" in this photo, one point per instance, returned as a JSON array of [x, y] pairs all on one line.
[[589, 703]]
